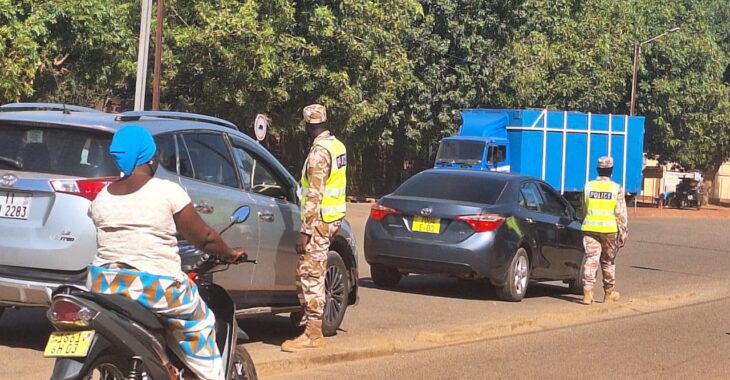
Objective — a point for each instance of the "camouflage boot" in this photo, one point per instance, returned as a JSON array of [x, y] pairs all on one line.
[[311, 338], [611, 296], [587, 296]]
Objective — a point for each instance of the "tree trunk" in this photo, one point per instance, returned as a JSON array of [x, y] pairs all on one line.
[[708, 182]]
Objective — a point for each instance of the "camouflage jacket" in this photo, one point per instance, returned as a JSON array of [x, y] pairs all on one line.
[[318, 170]]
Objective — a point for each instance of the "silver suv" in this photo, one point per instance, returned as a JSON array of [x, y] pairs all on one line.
[[54, 160]]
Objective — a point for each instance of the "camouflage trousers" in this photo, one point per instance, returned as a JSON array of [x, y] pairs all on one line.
[[311, 271], [603, 248]]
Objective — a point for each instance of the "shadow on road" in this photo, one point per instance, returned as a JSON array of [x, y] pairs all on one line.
[[273, 330], [25, 328], [466, 289]]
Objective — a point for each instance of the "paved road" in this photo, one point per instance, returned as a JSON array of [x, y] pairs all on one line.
[[690, 342], [667, 262]]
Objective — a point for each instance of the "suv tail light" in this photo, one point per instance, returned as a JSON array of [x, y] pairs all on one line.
[[482, 222], [378, 212], [65, 312], [87, 188]]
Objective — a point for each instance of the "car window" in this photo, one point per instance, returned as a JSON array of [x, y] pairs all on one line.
[[257, 175], [530, 197], [553, 204], [205, 156], [56, 150], [440, 185], [167, 151]]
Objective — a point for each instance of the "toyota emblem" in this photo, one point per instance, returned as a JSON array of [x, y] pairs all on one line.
[[8, 180], [426, 211]]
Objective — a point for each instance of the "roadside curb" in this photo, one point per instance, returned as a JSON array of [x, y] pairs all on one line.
[[410, 341]]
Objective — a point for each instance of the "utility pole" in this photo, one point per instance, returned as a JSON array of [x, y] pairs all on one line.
[[142, 54], [158, 56], [637, 55]]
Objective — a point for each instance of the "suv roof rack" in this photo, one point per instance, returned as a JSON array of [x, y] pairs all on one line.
[[136, 115], [66, 108]]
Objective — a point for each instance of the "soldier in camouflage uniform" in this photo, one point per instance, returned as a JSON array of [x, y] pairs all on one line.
[[323, 208], [605, 229]]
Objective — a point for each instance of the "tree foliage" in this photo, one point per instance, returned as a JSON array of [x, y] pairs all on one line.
[[393, 73]]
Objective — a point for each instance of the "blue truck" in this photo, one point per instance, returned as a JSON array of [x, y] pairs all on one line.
[[559, 147]]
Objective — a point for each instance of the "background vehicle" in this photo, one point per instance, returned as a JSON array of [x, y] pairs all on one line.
[[559, 147], [507, 228], [687, 194], [53, 163], [114, 337]]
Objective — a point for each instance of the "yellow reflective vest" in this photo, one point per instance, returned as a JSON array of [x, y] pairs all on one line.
[[601, 198], [334, 201]]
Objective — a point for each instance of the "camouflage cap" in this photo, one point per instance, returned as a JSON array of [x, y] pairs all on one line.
[[605, 162], [315, 114]]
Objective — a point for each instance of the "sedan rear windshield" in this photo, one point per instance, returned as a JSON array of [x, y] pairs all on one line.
[[56, 150], [453, 186]]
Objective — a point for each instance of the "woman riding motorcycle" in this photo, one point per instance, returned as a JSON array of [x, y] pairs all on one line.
[[137, 219]]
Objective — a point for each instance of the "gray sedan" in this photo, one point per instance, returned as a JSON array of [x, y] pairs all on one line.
[[468, 224]]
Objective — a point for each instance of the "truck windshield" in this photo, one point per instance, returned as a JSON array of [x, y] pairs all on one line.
[[460, 152]]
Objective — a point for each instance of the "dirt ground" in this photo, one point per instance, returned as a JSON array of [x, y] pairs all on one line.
[[705, 212]]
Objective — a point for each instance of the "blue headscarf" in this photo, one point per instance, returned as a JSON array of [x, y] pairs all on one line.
[[132, 146]]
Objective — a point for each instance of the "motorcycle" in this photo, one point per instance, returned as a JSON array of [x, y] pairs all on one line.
[[103, 336], [687, 194]]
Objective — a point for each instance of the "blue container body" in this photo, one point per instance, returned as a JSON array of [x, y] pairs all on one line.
[[559, 147]]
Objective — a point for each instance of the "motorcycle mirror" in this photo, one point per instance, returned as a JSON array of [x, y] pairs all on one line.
[[240, 215]]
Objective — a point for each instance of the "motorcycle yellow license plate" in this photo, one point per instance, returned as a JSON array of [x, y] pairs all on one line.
[[69, 344], [426, 224]]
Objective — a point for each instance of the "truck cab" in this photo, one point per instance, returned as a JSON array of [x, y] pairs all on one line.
[[474, 152]]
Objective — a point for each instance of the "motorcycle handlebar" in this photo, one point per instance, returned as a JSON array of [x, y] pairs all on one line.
[[208, 262]]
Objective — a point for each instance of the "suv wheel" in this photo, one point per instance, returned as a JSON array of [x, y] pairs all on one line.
[[337, 288]]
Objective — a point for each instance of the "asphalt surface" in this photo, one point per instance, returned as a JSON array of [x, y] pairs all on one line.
[[691, 342], [668, 262]]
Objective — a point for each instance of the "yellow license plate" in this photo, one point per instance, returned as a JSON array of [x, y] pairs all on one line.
[[426, 224], [68, 344]]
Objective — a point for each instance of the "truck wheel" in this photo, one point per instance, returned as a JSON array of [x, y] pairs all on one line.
[[337, 289], [384, 276], [518, 276]]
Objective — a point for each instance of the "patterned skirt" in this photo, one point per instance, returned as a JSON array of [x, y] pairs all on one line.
[[189, 321]]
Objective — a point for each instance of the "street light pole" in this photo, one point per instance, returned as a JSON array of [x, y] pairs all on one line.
[[158, 56], [637, 54], [142, 54]]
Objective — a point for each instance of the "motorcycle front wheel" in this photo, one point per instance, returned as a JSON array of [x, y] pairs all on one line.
[[242, 367]]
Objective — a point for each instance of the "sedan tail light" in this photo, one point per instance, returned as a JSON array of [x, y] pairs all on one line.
[[65, 312], [87, 188], [482, 222], [378, 212]]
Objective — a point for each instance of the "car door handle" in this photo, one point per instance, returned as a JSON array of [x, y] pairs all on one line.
[[204, 208], [266, 216], [530, 220], [560, 226]]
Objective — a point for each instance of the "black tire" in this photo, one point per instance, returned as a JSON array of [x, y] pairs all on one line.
[[575, 286], [337, 290], [518, 277], [242, 367], [384, 276], [2, 310], [109, 367]]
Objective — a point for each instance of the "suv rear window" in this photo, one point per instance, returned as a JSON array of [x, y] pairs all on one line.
[[56, 150], [453, 186]]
